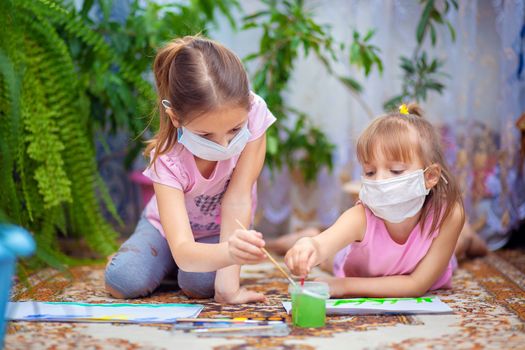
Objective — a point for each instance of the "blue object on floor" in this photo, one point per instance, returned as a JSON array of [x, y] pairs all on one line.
[[14, 242]]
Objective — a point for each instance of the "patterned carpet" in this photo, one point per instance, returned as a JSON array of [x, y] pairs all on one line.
[[488, 300]]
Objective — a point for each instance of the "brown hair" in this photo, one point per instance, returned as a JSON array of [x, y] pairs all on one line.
[[196, 75], [392, 135]]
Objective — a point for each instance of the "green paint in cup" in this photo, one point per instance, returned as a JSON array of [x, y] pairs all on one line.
[[309, 304]]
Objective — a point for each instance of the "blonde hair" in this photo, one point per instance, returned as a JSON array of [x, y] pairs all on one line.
[[196, 75], [392, 135]]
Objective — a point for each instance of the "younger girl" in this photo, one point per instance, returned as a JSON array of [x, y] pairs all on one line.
[[205, 160], [399, 241]]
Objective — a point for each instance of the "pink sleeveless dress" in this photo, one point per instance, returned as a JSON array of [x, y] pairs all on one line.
[[378, 255]]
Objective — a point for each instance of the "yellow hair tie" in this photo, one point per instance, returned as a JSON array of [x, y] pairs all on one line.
[[403, 109]]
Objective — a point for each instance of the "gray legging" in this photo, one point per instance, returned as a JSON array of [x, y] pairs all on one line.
[[143, 261]]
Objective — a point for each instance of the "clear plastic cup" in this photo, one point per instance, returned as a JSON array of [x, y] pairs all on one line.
[[309, 304]]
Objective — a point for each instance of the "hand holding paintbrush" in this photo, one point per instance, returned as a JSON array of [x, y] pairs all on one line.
[[245, 246], [269, 256]]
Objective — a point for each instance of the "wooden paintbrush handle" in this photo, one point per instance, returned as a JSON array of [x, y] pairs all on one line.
[[271, 258]]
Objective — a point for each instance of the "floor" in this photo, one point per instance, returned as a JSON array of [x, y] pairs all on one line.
[[488, 300]]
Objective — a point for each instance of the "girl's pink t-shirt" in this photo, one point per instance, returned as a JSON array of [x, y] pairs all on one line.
[[379, 255], [202, 196]]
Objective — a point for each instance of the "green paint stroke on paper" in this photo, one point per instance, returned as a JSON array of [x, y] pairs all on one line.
[[380, 301]]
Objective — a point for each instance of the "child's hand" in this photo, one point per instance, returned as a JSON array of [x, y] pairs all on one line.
[[245, 246], [302, 256], [241, 296]]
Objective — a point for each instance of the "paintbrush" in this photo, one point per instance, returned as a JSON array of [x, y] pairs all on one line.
[[271, 258], [225, 320], [232, 329]]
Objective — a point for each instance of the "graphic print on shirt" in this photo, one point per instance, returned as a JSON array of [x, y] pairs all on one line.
[[209, 206]]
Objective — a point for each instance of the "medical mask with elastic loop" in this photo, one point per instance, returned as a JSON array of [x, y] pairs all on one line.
[[209, 150], [397, 198]]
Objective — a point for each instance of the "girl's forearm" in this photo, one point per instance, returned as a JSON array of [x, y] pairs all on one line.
[[202, 257], [388, 286], [227, 280]]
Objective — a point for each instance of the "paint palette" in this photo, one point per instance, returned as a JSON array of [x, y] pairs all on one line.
[[241, 326]]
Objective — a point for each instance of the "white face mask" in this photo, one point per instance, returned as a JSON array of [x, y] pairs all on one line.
[[209, 150], [397, 198]]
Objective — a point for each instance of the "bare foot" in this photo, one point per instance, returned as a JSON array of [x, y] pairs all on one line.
[[282, 244], [477, 247], [469, 244]]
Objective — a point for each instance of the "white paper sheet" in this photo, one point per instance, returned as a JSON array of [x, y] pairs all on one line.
[[85, 312], [368, 306]]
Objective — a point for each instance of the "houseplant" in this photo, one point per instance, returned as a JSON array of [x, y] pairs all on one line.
[[49, 180], [289, 32], [64, 76], [423, 74]]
